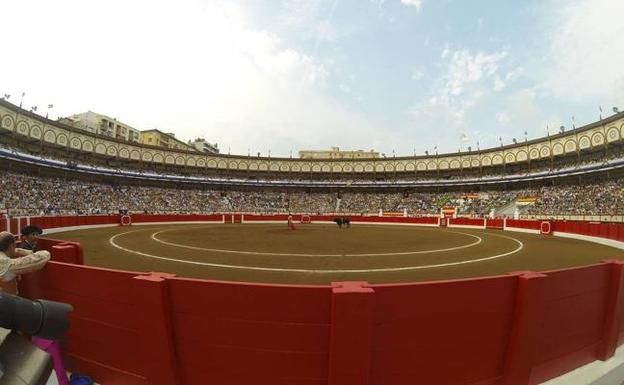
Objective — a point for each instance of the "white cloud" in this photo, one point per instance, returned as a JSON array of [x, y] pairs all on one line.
[[503, 118], [514, 74], [466, 68], [417, 75], [464, 82], [499, 84], [413, 3], [345, 88], [523, 113], [445, 52], [586, 56], [195, 69]]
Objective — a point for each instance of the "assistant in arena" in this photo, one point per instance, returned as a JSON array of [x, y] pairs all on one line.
[[30, 234]]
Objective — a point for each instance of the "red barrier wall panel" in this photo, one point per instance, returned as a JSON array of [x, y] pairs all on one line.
[[102, 330], [351, 330], [467, 222], [419, 220], [612, 231], [354, 218], [495, 223], [453, 332], [524, 224], [218, 326], [575, 307], [254, 217], [143, 218]]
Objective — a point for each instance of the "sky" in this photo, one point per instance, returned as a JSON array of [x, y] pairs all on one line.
[[278, 76]]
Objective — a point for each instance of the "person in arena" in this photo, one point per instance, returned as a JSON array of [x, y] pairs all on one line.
[[343, 221], [30, 234], [15, 261]]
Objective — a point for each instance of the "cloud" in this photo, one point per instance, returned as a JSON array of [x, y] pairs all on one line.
[[523, 113], [463, 83], [193, 68], [312, 18], [445, 52], [413, 3], [417, 75], [499, 84], [503, 118], [466, 68], [586, 58]]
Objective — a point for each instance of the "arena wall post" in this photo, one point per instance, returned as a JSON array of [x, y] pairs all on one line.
[[614, 312], [154, 326], [524, 333], [351, 332]]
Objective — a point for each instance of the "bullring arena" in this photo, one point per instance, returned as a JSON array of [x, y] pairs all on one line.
[[498, 266], [322, 253]]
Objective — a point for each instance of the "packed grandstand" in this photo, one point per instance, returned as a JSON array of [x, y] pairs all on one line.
[[55, 170], [54, 195]]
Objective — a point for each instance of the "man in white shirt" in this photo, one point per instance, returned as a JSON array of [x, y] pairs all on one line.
[[15, 261]]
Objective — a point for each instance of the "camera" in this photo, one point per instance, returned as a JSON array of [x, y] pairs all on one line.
[[21, 362]]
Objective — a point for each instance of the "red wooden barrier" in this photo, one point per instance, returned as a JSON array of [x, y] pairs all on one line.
[[154, 326], [495, 223], [467, 222], [131, 328], [102, 339], [228, 333], [351, 333], [524, 224], [525, 329], [451, 332]]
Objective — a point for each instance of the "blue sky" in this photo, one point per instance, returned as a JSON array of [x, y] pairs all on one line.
[[402, 75]]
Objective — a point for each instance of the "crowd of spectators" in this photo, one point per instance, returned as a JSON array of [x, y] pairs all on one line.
[[31, 195], [593, 199]]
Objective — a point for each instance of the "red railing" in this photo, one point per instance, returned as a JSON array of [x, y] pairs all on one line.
[[525, 328], [524, 224], [467, 222]]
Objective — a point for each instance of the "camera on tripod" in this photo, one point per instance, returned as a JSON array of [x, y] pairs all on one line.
[[21, 362]]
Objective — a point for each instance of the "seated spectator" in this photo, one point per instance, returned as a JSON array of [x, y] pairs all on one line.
[[15, 261], [30, 234]]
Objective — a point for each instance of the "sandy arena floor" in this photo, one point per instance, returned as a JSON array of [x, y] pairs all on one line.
[[319, 254]]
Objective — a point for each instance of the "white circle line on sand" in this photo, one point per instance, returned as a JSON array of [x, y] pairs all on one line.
[[317, 271], [478, 241]]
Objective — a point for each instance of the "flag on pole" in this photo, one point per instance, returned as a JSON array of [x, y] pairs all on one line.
[[50, 105]]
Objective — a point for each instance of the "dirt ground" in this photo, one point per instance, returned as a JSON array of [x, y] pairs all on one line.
[[320, 254]]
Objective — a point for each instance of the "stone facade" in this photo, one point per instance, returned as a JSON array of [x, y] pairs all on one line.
[[596, 135]]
